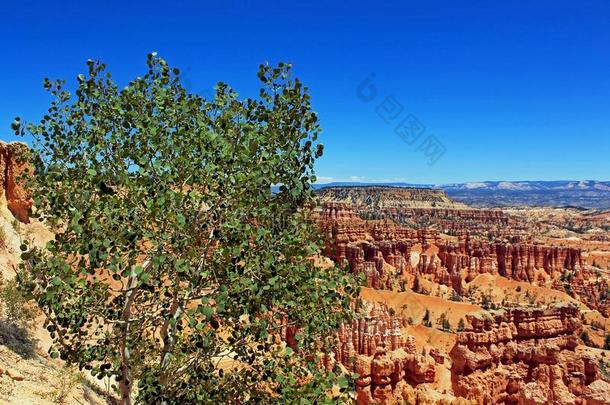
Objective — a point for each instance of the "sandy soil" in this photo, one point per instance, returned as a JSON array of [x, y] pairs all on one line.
[[523, 293], [414, 305], [37, 380]]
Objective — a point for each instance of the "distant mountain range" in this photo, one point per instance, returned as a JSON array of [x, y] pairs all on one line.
[[564, 193]]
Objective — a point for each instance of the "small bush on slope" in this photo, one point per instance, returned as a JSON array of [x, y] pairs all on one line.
[[16, 318]]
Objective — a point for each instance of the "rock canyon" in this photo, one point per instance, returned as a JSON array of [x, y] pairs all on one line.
[[466, 305]]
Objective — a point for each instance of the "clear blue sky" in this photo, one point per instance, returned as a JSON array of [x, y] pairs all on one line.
[[514, 90]]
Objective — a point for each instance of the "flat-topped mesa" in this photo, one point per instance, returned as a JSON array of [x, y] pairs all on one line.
[[419, 207], [12, 167], [522, 355], [376, 198]]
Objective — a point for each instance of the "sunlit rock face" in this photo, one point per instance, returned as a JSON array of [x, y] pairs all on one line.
[[386, 361], [12, 167], [398, 240], [384, 252], [523, 355]]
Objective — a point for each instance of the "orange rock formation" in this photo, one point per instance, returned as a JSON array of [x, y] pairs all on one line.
[[386, 361], [12, 167], [519, 356]]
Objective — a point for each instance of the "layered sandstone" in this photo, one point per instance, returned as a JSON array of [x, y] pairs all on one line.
[[385, 252], [515, 356], [388, 367], [13, 167], [518, 261], [379, 198], [522, 355], [420, 207], [558, 267], [378, 328], [377, 249]]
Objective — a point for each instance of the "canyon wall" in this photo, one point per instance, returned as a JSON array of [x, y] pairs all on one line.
[[515, 355], [518, 261], [385, 252]]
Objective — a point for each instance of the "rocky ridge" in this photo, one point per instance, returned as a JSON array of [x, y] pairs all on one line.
[[416, 207], [383, 197]]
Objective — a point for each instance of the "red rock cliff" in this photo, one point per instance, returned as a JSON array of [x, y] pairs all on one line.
[[12, 167]]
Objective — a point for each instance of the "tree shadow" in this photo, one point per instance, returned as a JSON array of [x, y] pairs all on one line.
[[18, 339]]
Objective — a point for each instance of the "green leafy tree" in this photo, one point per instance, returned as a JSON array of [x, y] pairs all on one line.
[[584, 336], [14, 307], [443, 322], [461, 326], [174, 267], [607, 342], [455, 296], [446, 325], [427, 320], [441, 319], [486, 301], [416, 284]]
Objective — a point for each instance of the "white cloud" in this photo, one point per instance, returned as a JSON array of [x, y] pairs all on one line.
[[323, 179], [360, 179]]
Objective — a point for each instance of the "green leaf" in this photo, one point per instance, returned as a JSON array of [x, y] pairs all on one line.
[[144, 277], [342, 381], [208, 312]]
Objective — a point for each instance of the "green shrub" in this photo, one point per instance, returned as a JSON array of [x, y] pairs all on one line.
[[446, 325], [456, 297], [586, 339], [14, 307], [66, 379], [16, 225], [17, 316]]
